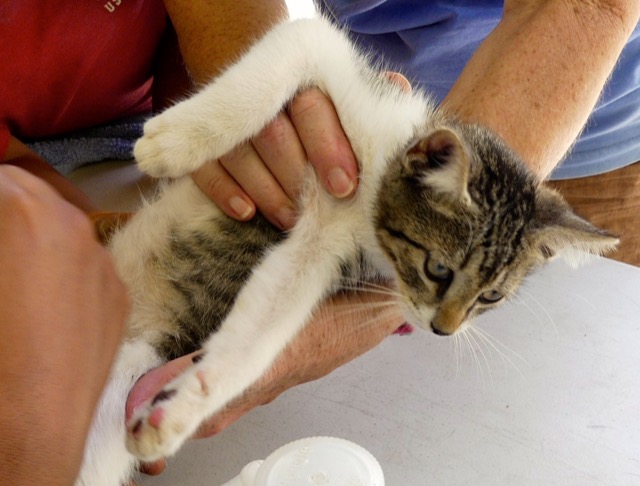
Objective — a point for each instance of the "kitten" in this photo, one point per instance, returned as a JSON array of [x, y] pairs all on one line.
[[444, 211]]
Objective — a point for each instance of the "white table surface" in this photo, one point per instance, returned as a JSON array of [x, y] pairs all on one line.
[[557, 403]]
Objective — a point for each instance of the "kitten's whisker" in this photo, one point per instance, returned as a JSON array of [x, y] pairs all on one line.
[[478, 344], [496, 345], [384, 311], [499, 343], [365, 286], [374, 320], [536, 301], [390, 293], [365, 306], [476, 360], [520, 300], [366, 283], [456, 353], [362, 315]]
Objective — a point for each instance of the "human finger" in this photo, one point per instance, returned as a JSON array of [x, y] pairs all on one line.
[[398, 79], [249, 171], [154, 468], [281, 150], [324, 141], [214, 180]]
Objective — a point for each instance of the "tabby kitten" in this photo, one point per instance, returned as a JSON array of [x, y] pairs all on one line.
[[444, 212]]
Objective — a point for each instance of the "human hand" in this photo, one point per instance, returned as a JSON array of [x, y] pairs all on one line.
[[267, 173], [344, 327], [62, 314]]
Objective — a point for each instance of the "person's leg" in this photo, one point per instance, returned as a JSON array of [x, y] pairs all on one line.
[[610, 201]]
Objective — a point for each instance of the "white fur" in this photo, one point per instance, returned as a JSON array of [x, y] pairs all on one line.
[[285, 288]]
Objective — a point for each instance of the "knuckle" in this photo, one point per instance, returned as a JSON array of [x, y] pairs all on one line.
[[308, 100], [277, 132], [215, 184], [14, 198], [19, 209]]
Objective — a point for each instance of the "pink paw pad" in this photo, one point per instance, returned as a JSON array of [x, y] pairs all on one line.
[[155, 417]]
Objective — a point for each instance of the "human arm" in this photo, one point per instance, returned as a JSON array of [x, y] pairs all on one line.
[[536, 78], [62, 314]]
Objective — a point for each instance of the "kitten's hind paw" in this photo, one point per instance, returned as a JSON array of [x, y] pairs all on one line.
[[170, 146], [159, 429]]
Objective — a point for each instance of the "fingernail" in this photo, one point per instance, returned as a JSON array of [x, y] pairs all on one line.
[[240, 207], [339, 183], [286, 217]]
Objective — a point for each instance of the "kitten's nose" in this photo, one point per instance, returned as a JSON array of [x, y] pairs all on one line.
[[438, 331]]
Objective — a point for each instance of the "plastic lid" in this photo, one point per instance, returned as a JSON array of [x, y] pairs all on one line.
[[320, 461]]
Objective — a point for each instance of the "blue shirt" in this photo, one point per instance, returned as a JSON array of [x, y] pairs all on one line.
[[431, 41]]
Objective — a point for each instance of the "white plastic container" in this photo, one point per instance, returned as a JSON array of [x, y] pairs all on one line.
[[315, 461]]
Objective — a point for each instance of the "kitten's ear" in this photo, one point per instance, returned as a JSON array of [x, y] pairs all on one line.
[[441, 162], [557, 228]]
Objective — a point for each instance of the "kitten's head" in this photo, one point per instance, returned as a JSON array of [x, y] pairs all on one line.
[[463, 222]]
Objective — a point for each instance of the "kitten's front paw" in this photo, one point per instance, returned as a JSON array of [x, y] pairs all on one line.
[[169, 146], [173, 415]]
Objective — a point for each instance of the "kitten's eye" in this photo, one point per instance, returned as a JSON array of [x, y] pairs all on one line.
[[490, 297], [437, 271]]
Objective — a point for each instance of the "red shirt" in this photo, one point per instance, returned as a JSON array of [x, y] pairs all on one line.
[[72, 64]]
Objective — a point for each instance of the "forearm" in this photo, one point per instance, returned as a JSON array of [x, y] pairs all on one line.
[[214, 34], [537, 77]]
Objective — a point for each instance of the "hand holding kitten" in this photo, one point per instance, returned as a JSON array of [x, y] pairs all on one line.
[[267, 173]]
